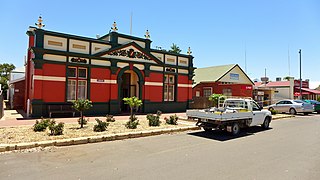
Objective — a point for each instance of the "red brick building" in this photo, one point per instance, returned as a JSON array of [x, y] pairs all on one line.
[[64, 67], [229, 80]]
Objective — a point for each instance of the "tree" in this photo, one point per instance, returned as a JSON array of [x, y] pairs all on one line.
[[5, 69], [133, 103], [175, 49], [81, 105], [287, 78], [215, 99]]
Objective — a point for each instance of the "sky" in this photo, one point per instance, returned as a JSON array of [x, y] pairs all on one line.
[[257, 35]]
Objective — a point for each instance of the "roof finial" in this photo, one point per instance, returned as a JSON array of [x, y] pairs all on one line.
[[189, 51], [114, 27], [147, 34], [39, 24]]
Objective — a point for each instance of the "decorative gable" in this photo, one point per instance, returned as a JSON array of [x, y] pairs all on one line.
[[130, 52]]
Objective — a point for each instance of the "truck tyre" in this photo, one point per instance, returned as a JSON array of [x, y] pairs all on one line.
[[266, 123], [207, 129], [235, 129], [292, 111]]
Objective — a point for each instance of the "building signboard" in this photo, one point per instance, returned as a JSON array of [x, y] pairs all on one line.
[[234, 76], [305, 84]]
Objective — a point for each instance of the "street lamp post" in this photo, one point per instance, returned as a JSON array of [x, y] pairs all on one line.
[[300, 76]]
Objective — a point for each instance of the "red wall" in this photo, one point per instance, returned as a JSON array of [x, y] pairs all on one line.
[[154, 93], [29, 73], [100, 92], [182, 92], [51, 91], [217, 88]]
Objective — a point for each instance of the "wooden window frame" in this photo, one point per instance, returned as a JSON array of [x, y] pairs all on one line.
[[77, 79], [169, 84], [206, 88]]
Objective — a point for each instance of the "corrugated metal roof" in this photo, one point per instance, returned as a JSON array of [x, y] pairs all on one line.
[[211, 74], [274, 84]]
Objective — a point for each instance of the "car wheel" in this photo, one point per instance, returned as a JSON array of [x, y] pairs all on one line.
[[266, 123], [235, 130], [305, 114], [207, 129], [318, 112], [271, 109], [292, 111]]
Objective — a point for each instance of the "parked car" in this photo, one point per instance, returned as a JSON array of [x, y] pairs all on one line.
[[316, 105], [292, 107]]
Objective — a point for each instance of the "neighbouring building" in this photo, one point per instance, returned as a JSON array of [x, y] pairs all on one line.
[[64, 67], [289, 89], [229, 80], [16, 90]]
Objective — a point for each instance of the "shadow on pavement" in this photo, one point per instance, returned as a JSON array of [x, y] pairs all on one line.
[[225, 136]]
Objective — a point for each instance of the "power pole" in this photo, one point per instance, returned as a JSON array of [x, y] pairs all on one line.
[[300, 76]]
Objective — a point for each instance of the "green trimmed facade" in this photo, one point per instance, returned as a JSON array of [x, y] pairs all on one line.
[[62, 67]]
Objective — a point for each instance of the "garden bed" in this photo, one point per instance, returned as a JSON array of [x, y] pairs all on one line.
[[25, 134]]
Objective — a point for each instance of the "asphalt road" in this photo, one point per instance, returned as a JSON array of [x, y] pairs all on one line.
[[289, 150]]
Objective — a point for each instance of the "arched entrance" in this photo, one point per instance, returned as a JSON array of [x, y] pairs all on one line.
[[130, 84]]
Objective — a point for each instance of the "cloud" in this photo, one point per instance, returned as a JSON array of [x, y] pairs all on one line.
[[314, 84]]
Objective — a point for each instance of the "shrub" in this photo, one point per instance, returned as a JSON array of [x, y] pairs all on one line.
[[154, 120], [110, 118], [132, 123], [84, 121], [41, 126], [56, 129], [101, 126], [215, 98], [273, 112], [172, 120], [82, 105]]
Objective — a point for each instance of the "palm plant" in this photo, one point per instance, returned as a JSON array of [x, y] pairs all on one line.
[[175, 48]]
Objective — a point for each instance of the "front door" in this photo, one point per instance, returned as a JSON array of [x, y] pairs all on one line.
[[258, 115], [125, 91]]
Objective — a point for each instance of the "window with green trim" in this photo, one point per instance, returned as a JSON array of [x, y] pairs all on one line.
[[168, 94], [77, 83]]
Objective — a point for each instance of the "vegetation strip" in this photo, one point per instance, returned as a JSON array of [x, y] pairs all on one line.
[[92, 139]]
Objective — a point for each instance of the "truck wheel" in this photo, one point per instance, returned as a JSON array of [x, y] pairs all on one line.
[[266, 123], [235, 129], [207, 129], [292, 111]]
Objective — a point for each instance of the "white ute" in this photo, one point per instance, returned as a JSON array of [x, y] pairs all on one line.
[[234, 114]]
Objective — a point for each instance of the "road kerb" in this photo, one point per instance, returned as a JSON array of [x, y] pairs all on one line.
[[2, 149], [45, 143], [22, 146], [282, 117]]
